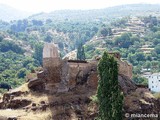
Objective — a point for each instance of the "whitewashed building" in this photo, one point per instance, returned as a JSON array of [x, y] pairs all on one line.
[[153, 81]]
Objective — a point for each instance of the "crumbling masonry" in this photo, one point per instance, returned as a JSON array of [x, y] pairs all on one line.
[[64, 75]]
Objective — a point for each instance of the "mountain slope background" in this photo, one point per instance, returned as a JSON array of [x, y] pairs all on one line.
[[8, 13], [133, 32], [101, 14]]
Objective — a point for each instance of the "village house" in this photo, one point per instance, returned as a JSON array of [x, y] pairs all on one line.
[[153, 81]]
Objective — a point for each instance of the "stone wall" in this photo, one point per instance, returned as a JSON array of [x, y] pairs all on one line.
[[63, 75], [78, 72], [50, 51], [52, 63]]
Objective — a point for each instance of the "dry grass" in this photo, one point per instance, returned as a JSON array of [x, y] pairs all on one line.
[[22, 115], [157, 95], [10, 112], [144, 101], [37, 116], [22, 88], [149, 95], [37, 97]]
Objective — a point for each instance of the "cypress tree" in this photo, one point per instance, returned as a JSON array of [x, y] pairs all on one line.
[[108, 93], [80, 53]]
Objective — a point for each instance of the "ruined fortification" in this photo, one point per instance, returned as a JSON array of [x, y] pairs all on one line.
[[64, 75]]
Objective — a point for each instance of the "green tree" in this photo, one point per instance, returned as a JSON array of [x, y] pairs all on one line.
[[1, 38], [22, 73], [48, 38], [140, 80], [124, 40], [109, 95], [38, 52], [157, 49], [147, 64], [104, 32], [80, 53]]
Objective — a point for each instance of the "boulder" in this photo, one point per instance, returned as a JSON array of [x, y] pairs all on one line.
[[41, 75], [126, 84], [36, 85], [14, 104]]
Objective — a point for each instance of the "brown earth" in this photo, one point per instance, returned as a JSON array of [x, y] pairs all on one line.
[[78, 103]]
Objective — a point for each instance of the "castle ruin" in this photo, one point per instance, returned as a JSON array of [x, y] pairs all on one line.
[[63, 75]]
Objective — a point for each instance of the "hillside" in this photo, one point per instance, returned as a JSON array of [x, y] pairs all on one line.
[[134, 34], [8, 13], [100, 14], [51, 88]]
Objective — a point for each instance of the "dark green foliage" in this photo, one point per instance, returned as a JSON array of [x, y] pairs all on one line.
[[140, 80], [109, 95], [19, 26], [38, 50], [11, 66], [104, 32], [22, 73], [80, 53], [124, 40], [157, 49], [6, 46], [1, 38], [37, 22], [48, 38]]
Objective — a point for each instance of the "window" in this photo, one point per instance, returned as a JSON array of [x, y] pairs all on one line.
[[152, 86], [152, 81]]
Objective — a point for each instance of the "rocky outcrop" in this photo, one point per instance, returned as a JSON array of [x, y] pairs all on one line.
[[127, 85], [9, 101], [36, 85]]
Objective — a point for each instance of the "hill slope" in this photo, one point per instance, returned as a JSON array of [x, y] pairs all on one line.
[[8, 13], [101, 14]]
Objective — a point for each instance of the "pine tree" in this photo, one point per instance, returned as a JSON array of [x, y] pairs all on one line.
[[80, 53], [109, 95]]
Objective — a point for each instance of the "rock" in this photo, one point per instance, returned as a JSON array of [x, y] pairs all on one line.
[[33, 104], [6, 97], [126, 84], [12, 118], [34, 108], [15, 104], [43, 107], [1, 106], [42, 102], [36, 85], [41, 75], [17, 93]]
